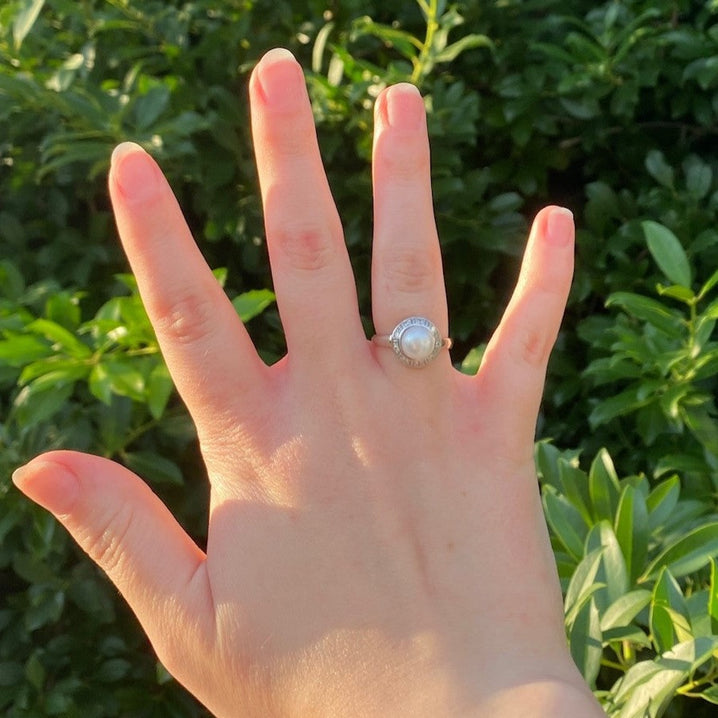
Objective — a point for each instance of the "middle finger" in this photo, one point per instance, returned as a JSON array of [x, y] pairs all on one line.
[[313, 279]]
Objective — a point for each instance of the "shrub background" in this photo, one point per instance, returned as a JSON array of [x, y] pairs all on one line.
[[609, 108]]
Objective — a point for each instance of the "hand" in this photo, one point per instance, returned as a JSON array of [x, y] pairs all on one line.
[[376, 543]]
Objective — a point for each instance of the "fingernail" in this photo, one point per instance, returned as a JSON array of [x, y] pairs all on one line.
[[134, 172], [404, 107], [281, 80], [559, 229], [48, 484]]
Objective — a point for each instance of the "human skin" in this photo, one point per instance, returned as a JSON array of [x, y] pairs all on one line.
[[376, 543]]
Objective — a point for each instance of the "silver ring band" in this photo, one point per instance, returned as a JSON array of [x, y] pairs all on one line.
[[415, 340]]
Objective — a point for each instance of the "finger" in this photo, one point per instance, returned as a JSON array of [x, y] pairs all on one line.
[[407, 277], [132, 536], [211, 357], [313, 279], [512, 373]]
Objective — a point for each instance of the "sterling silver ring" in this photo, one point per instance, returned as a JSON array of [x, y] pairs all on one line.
[[415, 340]]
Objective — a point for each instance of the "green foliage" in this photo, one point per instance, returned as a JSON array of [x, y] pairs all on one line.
[[609, 108], [638, 636], [660, 360]]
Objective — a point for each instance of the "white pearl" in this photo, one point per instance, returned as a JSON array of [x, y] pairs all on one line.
[[416, 343]]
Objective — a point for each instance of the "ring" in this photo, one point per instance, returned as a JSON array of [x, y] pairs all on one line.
[[415, 340]]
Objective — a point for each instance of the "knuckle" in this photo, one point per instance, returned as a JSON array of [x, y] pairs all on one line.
[[105, 546], [533, 346], [409, 271], [187, 319], [307, 248]]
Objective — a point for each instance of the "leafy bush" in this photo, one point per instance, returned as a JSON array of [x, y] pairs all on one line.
[[609, 108], [620, 546]]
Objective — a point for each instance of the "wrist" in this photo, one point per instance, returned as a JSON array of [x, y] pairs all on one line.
[[542, 698]]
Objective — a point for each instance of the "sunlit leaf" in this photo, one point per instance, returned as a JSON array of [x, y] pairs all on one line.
[[585, 642], [686, 554], [668, 253], [25, 19], [631, 526], [252, 303], [668, 620]]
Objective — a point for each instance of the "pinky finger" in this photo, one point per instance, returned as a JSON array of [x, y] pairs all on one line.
[[512, 374]]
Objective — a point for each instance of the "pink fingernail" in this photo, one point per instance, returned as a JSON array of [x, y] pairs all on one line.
[[49, 484], [134, 172], [559, 228], [405, 107], [281, 80]]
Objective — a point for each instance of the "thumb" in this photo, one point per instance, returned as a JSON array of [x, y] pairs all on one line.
[[125, 528]]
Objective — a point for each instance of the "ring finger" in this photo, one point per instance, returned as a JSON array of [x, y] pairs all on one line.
[[407, 277]]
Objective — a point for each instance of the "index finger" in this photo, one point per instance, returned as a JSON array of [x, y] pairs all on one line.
[[208, 351]]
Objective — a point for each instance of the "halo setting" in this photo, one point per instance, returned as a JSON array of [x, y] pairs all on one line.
[[416, 341]]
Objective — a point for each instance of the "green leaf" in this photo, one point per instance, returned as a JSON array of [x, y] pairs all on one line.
[[631, 633], [121, 377], [648, 310], [159, 390], [150, 106], [648, 686], [566, 522], [703, 426], [631, 526], [623, 403], [547, 458], [625, 609], [35, 672], [585, 641], [113, 670], [668, 253], [583, 584], [603, 486], [252, 303], [25, 19], [60, 336], [699, 177], [12, 283], [63, 308], [153, 467], [668, 619], [44, 397], [99, 384], [659, 169], [472, 361], [404, 42], [662, 500], [713, 597], [19, 350], [612, 572], [162, 675], [574, 486], [710, 283], [468, 42], [676, 291], [687, 554]]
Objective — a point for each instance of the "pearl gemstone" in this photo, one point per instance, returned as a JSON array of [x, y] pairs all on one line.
[[417, 343]]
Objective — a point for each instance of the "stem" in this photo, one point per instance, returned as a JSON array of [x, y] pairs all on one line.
[[692, 329], [612, 664], [431, 12], [687, 689]]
